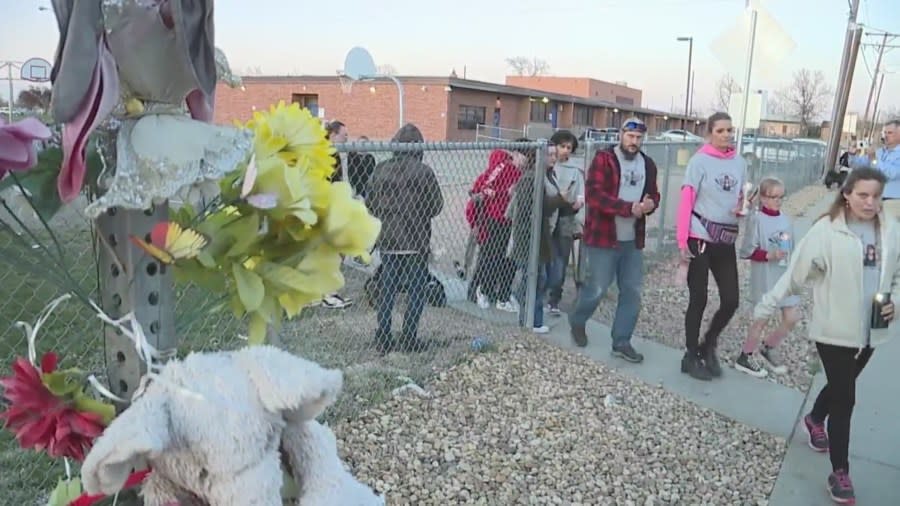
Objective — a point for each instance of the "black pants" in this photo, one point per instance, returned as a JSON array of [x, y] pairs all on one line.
[[494, 272], [721, 259], [837, 398]]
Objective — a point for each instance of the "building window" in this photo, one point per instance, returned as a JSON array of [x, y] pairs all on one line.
[[540, 111], [470, 117], [624, 100], [583, 115], [308, 101]]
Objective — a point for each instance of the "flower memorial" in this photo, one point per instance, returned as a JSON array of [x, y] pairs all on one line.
[[275, 236]]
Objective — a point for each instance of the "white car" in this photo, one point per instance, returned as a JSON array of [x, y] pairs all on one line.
[[680, 135]]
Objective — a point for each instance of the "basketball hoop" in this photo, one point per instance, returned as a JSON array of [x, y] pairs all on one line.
[[346, 84]]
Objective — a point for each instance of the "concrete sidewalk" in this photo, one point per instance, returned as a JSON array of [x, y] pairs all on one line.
[[875, 447]]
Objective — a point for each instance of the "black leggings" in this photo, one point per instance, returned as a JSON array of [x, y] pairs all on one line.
[[835, 401], [494, 272], [721, 259]]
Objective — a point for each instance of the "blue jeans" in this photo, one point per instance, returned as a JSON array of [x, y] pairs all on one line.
[[521, 296], [625, 265], [409, 271], [556, 269]]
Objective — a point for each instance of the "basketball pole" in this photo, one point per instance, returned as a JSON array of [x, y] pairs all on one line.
[[9, 77], [399, 91]]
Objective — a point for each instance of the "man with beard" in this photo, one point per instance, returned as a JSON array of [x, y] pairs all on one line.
[[620, 192]]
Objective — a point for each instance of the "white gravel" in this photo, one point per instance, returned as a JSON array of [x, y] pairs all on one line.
[[532, 424]]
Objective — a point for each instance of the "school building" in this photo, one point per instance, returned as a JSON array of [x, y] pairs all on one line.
[[450, 108]]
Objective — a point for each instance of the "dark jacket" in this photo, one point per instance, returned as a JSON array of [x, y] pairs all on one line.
[[522, 206], [404, 194], [360, 167], [603, 202], [338, 174]]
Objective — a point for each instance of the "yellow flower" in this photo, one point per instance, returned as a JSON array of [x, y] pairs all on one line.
[[349, 227], [295, 136]]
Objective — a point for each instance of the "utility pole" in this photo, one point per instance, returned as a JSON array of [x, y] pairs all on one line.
[[875, 109], [884, 42], [852, 39]]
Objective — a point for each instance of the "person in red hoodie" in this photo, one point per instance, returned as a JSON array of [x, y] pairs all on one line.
[[485, 212]]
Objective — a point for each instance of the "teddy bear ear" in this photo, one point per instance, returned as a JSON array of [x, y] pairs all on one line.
[[288, 384]]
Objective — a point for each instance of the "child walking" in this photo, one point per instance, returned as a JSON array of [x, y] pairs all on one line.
[[767, 244]]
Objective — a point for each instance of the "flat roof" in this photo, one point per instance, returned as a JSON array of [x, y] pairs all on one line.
[[471, 84]]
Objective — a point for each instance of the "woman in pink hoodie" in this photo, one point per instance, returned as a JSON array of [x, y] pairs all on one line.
[[707, 227], [485, 212]]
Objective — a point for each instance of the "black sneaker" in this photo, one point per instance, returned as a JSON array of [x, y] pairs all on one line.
[[694, 367], [818, 436], [628, 353], [414, 345], [579, 335], [749, 365], [384, 344], [712, 362], [840, 488]]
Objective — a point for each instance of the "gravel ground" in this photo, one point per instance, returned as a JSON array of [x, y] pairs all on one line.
[[664, 304], [532, 424]]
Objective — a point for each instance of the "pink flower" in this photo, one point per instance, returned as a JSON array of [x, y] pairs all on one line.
[[17, 149]]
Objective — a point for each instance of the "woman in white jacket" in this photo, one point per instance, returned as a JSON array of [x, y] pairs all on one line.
[[851, 254]]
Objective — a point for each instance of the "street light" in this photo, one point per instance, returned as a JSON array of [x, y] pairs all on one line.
[[687, 93]]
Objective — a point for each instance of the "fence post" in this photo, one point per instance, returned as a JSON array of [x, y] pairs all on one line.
[[534, 253], [663, 201], [132, 281]]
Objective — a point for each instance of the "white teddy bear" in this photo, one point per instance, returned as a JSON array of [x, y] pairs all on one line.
[[217, 429]]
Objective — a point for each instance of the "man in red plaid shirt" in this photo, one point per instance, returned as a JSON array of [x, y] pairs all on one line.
[[620, 191]]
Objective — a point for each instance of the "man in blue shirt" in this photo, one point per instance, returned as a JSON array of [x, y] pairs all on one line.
[[887, 160]]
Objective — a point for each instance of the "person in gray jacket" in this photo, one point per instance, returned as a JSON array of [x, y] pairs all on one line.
[[567, 221], [404, 194]]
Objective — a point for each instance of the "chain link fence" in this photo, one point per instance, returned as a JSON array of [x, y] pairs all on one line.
[[411, 188]]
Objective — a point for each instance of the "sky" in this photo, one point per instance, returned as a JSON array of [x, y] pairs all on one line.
[[613, 40]]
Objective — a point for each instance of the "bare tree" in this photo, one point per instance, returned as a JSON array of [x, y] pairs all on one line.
[[34, 98], [524, 66], [725, 88], [806, 97], [253, 71], [386, 70]]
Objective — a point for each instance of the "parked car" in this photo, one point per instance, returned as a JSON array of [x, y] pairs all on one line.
[[680, 135]]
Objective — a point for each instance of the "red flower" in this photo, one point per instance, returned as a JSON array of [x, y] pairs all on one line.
[[43, 421]]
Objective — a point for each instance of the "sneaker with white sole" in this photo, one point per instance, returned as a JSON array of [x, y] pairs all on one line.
[[543, 329], [747, 363], [481, 299], [772, 360], [508, 307], [335, 301]]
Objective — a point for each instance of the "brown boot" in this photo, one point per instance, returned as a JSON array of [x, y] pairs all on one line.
[[579, 335]]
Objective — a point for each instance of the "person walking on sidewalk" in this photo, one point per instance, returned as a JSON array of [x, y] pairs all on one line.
[[852, 307], [568, 221], [620, 192], [887, 160], [706, 230], [768, 237]]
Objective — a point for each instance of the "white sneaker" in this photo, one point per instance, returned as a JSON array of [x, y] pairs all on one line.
[[543, 329], [482, 299], [509, 307], [335, 301]]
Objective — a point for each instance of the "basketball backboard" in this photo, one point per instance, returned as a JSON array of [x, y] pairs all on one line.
[[359, 63], [36, 70]]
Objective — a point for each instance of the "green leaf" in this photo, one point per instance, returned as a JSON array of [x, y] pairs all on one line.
[[256, 330], [65, 492], [206, 260], [281, 276], [250, 288], [40, 181], [86, 404], [245, 231], [60, 383]]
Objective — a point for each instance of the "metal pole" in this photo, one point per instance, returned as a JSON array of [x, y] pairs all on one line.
[[875, 110], [399, 97], [687, 91], [848, 64], [875, 80], [693, 85], [534, 250], [751, 46], [664, 200], [9, 106]]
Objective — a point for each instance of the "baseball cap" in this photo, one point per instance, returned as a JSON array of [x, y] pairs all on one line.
[[634, 124]]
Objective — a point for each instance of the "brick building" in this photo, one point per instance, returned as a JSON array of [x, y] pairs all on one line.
[[584, 87], [445, 108]]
